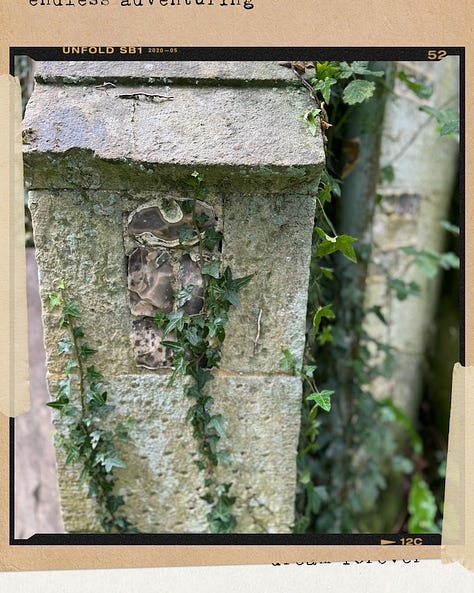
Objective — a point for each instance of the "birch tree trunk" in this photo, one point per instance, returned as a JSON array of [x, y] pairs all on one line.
[[412, 206]]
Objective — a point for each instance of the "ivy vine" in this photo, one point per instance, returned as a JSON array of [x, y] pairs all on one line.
[[196, 341], [81, 400], [344, 456]]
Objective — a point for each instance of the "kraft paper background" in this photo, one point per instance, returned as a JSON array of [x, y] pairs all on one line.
[[303, 23]]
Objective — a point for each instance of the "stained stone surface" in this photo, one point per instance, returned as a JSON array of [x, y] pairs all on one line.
[[93, 159], [241, 132], [169, 73], [162, 485], [276, 249]]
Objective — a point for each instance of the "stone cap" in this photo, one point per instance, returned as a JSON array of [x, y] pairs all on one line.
[[170, 72], [158, 128]]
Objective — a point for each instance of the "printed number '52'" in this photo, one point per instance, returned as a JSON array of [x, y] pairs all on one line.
[[437, 54]]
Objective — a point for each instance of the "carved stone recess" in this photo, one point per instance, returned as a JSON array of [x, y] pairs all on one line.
[[166, 258]]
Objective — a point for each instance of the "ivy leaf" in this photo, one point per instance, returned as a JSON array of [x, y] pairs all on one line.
[[311, 118], [174, 346], [184, 295], [358, 91], [243, 281], [321, 313], [64, 346], [217, 423], [328, 272], [421, 507], [448, 119], [357, 67], [73, 455], [54, 301], [201, 219], [85, 351], [325, 87], [427, 266], [451, 228], [193, 336], [71, 310], [321, 399], [325, 336], [93, 375], [377, 311], [328, 186], [451, 127], [224, 458], [216, 328], [231, 297], [58, 404], [180, 367], [186, 233], [176, 320], [420, 88], [97, 396], [187, 205], [64, 390], [69, 366], [159, 319], [78, 332], [327, 69], [449, 260], [392, 413], [95, 436], [113, 504], [108, 461], [290, 362], [342, 243], [212, 238], [308, 370], [212, 269], [386, 174]]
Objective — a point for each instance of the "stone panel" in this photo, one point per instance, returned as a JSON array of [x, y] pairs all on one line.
[[162, 485], [271, 239]]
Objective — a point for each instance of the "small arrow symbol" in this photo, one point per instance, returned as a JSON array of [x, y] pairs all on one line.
[[386, 542]]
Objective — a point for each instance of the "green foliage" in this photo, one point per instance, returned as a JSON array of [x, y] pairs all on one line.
[[447, 119], [329, 442], [342, 243], [451, 228], [391, 413], [332, 74], [89, 442], [311, 117], [324, 86], [403, 289], [321, 313], [419, 87], [422, 508], [220, 518], [358, 91], [429, 261], [386, 174], [345, 455], [321, 399], [196, 345]]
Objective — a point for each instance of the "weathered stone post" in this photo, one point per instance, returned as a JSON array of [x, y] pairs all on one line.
[[108, 146]]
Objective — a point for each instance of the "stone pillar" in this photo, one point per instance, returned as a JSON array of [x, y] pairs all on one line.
[[108, 146]]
